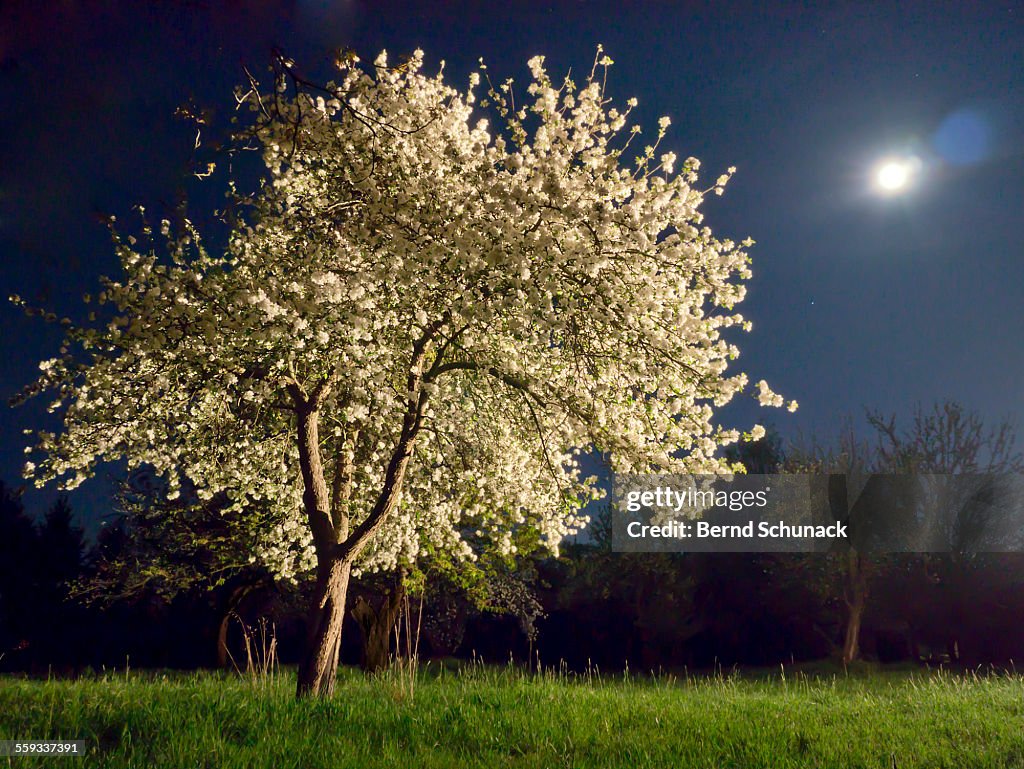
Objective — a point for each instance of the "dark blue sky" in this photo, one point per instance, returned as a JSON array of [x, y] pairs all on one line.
[[858, 299]]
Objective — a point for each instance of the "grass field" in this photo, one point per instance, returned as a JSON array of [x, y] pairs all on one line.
[[486, 717]]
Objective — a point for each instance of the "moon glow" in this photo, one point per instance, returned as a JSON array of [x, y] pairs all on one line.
[[893, 176]]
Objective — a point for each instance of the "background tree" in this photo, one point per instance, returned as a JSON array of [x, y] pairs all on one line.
[[971, 504], [60, 561], [157, 548], [19, 548], [445, 592], [416, 321], [945, 440], [38, 563]]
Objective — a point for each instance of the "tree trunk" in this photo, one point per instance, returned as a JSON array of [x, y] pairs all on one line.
[[234, 601], [854, 575], [851, 642], [856, 599], [319, 668], [222, 639], [377, 626]]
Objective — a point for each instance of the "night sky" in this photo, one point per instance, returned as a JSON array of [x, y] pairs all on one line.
[[859, 298]]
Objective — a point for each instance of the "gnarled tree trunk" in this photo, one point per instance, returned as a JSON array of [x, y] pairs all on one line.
[[377, 626], [319, 667]]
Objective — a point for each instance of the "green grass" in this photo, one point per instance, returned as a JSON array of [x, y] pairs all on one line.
[[485, 717]]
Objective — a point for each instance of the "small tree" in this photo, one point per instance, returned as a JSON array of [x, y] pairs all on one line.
[[941, 441], [416, 321]]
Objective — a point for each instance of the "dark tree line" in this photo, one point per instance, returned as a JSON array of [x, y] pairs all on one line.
[[153, 594], [37, 563]]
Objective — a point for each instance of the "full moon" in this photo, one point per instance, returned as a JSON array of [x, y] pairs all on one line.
[[896, 175], [893, 176]]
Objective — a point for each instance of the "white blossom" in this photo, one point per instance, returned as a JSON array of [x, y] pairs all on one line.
[[516, 286]]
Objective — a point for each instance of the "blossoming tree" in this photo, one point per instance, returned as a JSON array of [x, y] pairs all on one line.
[[416, 323]]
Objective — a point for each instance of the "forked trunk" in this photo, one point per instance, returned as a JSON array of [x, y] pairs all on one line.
[[319, 668], [337, 547]]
